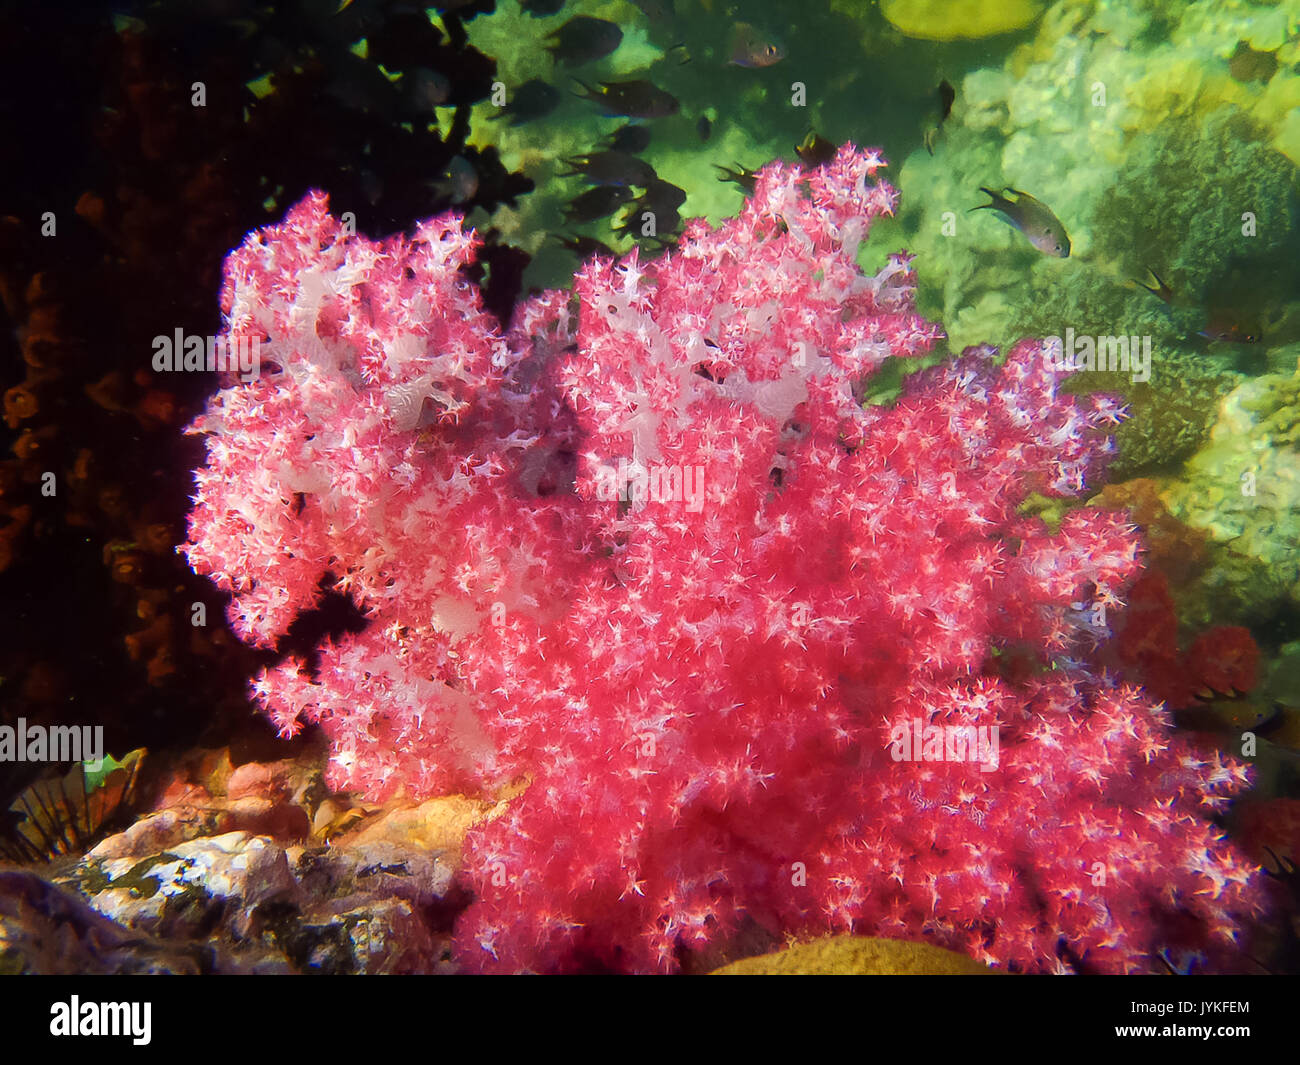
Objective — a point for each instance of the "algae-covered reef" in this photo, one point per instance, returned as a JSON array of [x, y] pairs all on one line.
[[1166, 138]]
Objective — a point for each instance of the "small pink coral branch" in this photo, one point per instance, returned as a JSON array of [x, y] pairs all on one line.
[[743, 637]]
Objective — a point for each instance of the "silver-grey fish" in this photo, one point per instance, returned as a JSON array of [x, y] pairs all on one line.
[[1033, 218], [751, 47]]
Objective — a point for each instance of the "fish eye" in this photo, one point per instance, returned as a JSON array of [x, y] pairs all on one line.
[[771, 49]]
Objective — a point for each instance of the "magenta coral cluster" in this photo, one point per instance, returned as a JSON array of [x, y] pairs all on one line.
[[648, 563]]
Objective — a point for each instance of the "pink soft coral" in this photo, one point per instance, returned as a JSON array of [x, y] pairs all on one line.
[[701, 681]]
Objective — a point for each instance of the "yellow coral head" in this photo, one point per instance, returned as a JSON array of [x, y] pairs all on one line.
[[948, 20]]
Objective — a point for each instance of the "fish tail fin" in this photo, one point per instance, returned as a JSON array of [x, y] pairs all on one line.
[[681, 47], [996, 200], [589, 94], [1160, 290]]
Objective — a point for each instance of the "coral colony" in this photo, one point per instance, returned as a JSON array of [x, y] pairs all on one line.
[[845, 690]]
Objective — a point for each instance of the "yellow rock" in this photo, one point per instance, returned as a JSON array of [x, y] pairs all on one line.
[[948, 20], [435, 825], [858, 956]]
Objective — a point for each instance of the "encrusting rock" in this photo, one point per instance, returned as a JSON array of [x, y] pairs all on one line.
[[247, 869]]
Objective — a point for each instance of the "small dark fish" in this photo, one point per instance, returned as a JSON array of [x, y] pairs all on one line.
[[461, 180], [1231, 715], [583, 39], [815, 150], [635, 99], [683, 52], [599, 202], [750, 47], [1226, 326], [628, 138], [947, 94], [611, 168], [533, 99], [585, 247], [541, 8], [1223, 323], [663, 195], [704, 128], [640, 215], [659, 204], [740, 175], [359, 85], [656, 10], [1033, 218], [425, 89]]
